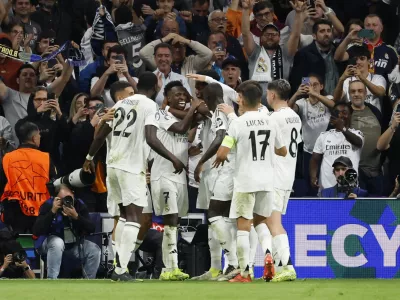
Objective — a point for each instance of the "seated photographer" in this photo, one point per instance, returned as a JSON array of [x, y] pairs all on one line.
[[13, 262], [62, 223], [346, 186]]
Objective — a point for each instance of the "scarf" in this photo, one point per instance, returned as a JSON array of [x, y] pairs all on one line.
[[371, 49], [267, 69]]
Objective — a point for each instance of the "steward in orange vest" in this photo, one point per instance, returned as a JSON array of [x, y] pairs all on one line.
[[27, 171]]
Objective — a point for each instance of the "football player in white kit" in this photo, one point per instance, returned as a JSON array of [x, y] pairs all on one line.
[[216, 188], [289, 123], [169, 189], [256, 137], [126, 165]]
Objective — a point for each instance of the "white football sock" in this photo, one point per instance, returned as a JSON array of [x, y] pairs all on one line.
[[215, 250], [232, 225], [114, 249], [128, 239], [169, 247], [222, 233], [265, 238], [281, 251], [137, 245], [118, 235], [243, 249], [253, 245]]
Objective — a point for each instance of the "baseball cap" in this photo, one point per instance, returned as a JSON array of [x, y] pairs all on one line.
[[342, 160], [230, 61], [271, 25]]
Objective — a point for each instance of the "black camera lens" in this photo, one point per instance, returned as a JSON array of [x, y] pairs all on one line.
[[19, 256], [68, 201]]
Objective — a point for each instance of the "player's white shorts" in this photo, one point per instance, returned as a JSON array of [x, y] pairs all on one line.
[[126, 188], [281, 199], [215, 184], [245, 204], [148, 209], [169, 197]]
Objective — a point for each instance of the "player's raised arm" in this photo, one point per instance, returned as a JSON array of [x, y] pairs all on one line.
[[184, 125]]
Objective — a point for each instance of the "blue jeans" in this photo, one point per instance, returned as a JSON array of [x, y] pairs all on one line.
[[53, 247]]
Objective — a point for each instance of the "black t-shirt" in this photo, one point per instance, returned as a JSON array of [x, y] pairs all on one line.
[[13, 272]]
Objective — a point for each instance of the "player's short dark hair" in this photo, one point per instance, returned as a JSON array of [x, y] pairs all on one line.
[[123, 15], [117, 87], [25, 66], [213, 91], [281, 87], [259, 6], [117, 49], [162, 45], [320, 22], [168, 87], [251, 92], [147, 81], [25, 129]]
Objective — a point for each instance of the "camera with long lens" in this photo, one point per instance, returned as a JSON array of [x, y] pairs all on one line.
[[75, 179], [347, 182], [68, 201]]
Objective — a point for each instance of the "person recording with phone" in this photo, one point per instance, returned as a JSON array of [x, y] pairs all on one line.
[[44, 110], [117, 70], [62, 223], [346, 178]]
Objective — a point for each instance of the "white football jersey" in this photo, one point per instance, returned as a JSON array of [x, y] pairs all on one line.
[[255, 136], [127, 146], [333, 144], [289, 124], [176, 143], [218, 121]]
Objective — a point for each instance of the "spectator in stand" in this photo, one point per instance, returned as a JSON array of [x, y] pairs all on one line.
[[217, 44], [44, 41], [353, 25], [22, 14], [340, 141], [61, 228], [117, 70], [269, 61], [340, 166], [317, 58], [181, 63], [163, 58], [367, 119], [89, 72], [313, 106], [50, 16], [156, 18], [22, 198], [376, 84], [8, 67], [78, 111], [383, 57], [321, 12], [197, 20], [390, 141], [130, 31], [47, 115], [231, 72], [17, 36]]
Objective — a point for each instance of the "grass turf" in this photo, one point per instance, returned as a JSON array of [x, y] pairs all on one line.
[[153, 289]]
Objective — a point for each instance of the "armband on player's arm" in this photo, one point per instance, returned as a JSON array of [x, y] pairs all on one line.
[[228, 142]]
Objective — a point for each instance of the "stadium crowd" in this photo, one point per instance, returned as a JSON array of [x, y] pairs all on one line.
[[63, 65]]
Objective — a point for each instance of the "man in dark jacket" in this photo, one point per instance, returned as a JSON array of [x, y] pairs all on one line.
[[60, 227], [317, 58]]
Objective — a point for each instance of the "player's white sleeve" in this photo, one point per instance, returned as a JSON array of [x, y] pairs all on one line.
[[166, 120], [153, 119], [319, 144], [231, 138], [229, 93], [221, 121], [279, 142]]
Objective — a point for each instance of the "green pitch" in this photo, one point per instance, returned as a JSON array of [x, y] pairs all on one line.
[[104, 289]]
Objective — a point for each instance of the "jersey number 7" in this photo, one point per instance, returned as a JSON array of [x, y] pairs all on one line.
[[264, 143]]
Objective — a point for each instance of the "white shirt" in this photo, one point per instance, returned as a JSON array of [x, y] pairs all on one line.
[[289, 125], [127, 147], [255, 135], [377, 80], [194, 160], [172, 76], [217, 122], [176, 143], [333, 144], [315, 119], [230, 95]]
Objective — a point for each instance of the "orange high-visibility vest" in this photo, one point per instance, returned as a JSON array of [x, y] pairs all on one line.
[[27, 172]]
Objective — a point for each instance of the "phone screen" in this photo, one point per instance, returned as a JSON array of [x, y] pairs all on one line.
[[51, 63], [51, 96], [220, 46], [366, 33], [398, 108], [120, 58], [305, 80]]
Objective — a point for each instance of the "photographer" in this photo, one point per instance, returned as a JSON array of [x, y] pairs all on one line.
[[62, 223], [346, 186]]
